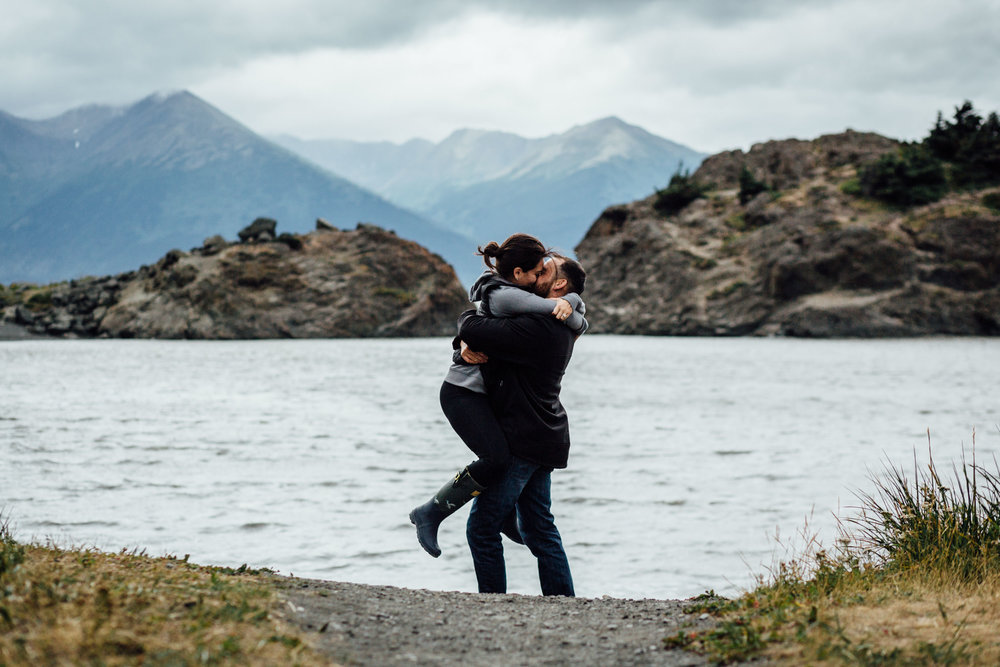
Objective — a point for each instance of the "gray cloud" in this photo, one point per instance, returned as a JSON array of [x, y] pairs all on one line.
[[721, 69], [59, 49], [66, 49], [868, 47]]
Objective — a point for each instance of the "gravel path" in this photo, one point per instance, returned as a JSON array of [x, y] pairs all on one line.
[[355, 624]]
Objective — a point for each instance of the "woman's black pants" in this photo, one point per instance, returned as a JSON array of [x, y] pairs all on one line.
[[469, 413]]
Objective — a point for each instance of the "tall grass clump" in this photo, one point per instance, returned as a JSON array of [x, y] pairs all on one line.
[[928, 523], [913, 579], [11, 553]]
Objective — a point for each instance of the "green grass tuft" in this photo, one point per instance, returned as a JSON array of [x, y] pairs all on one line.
[[914, 579]]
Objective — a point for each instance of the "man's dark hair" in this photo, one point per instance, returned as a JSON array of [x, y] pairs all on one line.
[[518, 251], [574, 274]]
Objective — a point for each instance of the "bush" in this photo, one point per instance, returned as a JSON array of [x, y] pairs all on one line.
[[11, 553], [992, 201], [681, 191], [851, 187], [40, 300], [970, 144], [961, 153], [911, 177], [750, 187]]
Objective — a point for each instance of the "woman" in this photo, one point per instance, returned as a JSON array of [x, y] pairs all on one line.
[[513, 267]]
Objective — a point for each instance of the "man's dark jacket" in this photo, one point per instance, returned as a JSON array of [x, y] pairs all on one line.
[[528, 356]]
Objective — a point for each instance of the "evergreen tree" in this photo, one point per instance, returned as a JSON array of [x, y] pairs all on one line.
[[681, 191], [970, 144], [978, 162], [750, 187], [947, 141], [963, 152]]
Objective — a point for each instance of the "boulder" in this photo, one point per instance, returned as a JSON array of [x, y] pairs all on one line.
[[214, 245], [23, 316], [261, 229], [290, 240]]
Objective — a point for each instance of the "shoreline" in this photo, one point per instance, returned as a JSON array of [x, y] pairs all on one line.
[[11, 331], [81, 605]]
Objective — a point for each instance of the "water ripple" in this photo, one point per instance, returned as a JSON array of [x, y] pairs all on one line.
[[306, 456]]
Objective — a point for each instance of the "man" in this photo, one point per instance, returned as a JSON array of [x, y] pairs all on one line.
[[528, 355]]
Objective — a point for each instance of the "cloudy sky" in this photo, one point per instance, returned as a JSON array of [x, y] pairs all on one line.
[[712, 74]]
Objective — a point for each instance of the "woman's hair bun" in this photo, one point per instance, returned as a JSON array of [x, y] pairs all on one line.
[[518, 251], [491, 249]]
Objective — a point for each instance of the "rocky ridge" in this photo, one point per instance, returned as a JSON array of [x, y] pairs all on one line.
[[806, 258], [328, 283]]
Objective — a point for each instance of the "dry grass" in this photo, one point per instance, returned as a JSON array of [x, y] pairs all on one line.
[[81, 606], [906, 620], [917, 582]]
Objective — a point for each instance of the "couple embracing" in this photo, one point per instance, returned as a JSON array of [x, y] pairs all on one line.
[[501, 396]]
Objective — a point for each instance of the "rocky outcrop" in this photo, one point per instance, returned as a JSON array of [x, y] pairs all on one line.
[[785, 164], [329, 283], [805, 259]]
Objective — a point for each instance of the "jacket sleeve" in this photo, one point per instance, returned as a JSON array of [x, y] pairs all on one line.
[[510, 301], [513, 339], [576, 321]]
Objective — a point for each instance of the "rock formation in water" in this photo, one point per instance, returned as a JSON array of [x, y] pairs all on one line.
[[802, 258], [328, 283]]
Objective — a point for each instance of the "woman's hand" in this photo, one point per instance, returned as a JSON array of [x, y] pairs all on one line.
[[473, 357], [562, 309]]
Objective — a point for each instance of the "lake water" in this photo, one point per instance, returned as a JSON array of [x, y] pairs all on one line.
[[306, 456]]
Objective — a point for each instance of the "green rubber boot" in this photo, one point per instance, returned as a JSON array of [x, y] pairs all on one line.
[[429, 516]]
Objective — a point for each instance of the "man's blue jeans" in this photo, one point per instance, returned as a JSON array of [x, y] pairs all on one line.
[[529, 487]]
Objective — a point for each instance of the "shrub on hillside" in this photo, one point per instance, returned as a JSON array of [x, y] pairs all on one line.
[[960, 153], [750, 187], [910, 177], [992, 201], [681, 191]]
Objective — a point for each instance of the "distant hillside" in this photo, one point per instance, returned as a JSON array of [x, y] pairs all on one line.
[[329, 283], [99, 190], [781, 240], [487, 185]]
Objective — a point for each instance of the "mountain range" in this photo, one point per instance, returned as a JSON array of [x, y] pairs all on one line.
[[489, 184], [102, 189]]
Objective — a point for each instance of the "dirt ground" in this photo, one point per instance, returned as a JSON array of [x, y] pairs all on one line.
[[355, 624]]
